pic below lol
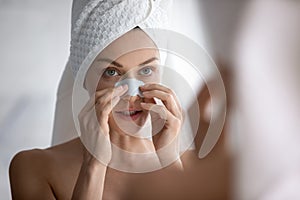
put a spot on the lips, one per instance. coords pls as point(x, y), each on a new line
point(130, 114)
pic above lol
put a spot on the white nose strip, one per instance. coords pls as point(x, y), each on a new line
point(133, 86)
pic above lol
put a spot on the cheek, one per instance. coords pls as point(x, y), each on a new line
point(154, 78)
point(102, 84)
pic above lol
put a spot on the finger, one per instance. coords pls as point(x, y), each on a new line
point(103, 103)
point(161, 110)
point(113, 92)
point(103, 96)
point(105, 109)
point(171, 122)
point(149, 100)
point(166, 98)
point(155, 86)
point(108, 94)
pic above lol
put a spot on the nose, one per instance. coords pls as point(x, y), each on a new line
point(132, 99)
point(129, 74)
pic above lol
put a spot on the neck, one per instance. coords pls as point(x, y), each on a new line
point(131, 143)
point(135, 140)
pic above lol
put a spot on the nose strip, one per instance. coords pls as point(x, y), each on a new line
point(133, 86)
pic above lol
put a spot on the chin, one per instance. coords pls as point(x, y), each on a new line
point(130, 122)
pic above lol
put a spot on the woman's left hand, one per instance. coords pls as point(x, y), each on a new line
point(166, 140)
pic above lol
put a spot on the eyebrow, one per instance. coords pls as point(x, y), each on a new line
point(109, 61)
point(120, 65)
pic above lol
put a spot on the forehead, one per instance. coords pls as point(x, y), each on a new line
point(130, 50)
point(128, 43)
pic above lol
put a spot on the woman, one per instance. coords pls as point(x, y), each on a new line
point(52, 173)
point(114, 123)
point(80, 168)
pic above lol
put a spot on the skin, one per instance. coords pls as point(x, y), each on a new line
point(71, 170)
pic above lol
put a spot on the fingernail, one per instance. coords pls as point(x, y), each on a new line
point(145, 86)
point(120, 87)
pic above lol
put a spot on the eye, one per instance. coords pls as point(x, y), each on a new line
point(146, 71)
point(111, 72)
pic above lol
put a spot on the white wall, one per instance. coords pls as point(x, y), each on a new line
point(34, 47)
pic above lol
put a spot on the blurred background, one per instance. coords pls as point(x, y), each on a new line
point(257, 40)
point(34, 47)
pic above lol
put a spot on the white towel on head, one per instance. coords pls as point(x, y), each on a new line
point(64, 128)
point(99, 22)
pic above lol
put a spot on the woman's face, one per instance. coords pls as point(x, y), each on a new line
point(141, 63)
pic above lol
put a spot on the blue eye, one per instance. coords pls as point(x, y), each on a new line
point(146, 71)
point(111, 72)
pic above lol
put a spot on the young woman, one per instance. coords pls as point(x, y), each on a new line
point(53, 172)
point(113, 123)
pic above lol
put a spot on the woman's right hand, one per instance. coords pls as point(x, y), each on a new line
point(94, 127)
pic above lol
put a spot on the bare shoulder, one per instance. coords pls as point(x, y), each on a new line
point(31, 171)
point(27, 172)
point(68, 150)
